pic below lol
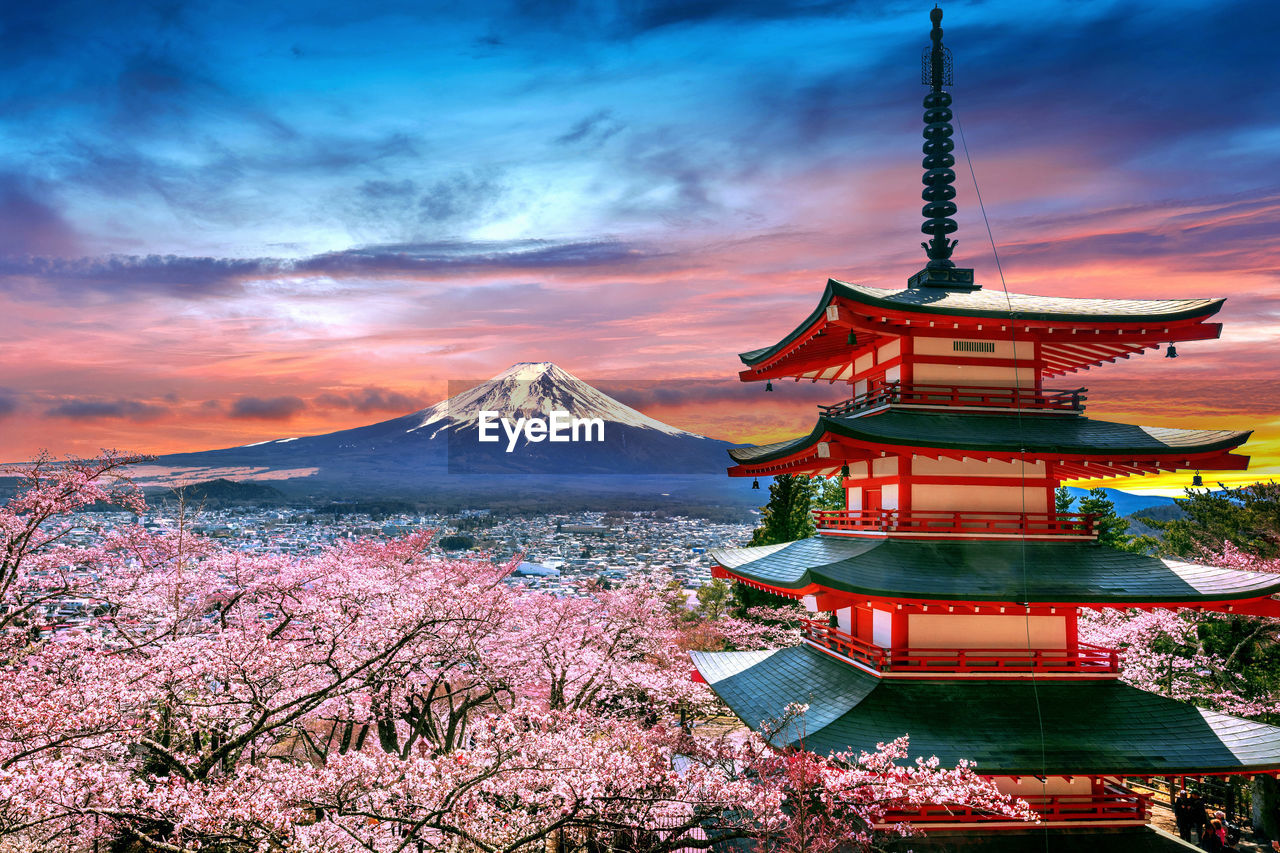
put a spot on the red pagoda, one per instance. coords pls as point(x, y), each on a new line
point(955, 585)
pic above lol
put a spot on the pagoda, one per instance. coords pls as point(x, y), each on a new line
point(952, 583)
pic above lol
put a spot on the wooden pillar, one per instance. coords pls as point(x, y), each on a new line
point(900, 638)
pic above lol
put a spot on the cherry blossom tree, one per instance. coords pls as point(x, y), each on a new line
point(376, 697)
point(1225, 662)
point(34, 566)
point(1164, 654)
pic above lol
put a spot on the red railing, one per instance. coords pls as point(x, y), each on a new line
point(1116, 804)
point(846, 644)
point(1063, 400)
point(948, 521)
point(1085, 658)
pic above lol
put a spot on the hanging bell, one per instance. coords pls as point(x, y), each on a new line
point(1170, 351)
point(755, 484)
point(1197, 480)
point(844, 470)
point(853, 338)
point(768, 386)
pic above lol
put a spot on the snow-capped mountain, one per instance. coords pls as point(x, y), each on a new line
point(535, 389)
point(439, 447)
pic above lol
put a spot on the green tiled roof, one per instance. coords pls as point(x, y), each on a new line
point(995, 304)
point(1008, 727)
point(1038, 433)
point(989, 570)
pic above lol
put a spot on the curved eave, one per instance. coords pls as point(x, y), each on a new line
point(1016, 727)
point(1067, 437)
point(996, 572)
point(756, 356)
point(811, 350)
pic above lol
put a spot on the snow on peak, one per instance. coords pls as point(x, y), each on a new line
point(535, 389)
point(528, 371)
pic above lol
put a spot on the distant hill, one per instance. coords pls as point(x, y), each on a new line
point(1137, 527)
point(221, 492)
point(1126, 503)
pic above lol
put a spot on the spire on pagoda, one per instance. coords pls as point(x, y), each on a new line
point(938, 192)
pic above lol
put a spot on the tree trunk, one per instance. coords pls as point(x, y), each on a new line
point(387, 735)
point(1266, 806)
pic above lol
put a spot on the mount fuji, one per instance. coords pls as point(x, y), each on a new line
point(534, 390)
point(438, 451)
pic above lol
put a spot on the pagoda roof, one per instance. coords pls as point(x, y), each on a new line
point(1007, 727)
point(1029, 571)
point(996, 305)
point(1000, 433)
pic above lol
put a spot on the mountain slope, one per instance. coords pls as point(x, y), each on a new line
point(438, 448)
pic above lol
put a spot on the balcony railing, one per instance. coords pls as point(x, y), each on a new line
point(1085, 658)
point(846, 644)
point(929, 522)
point(962, 396)
point(1115, 805)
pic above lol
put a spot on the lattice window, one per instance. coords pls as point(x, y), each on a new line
point(973, 346)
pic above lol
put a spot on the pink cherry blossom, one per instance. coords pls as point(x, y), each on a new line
point(374, 697)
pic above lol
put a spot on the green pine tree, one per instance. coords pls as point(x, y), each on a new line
point(1247, 516)
point(786, 518)
point(1062, 500)
point(1111, 527)
point(714, 600)
point(829, 494)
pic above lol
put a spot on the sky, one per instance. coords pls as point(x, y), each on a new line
point(228, 222)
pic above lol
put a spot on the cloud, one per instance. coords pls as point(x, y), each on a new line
point(369, 400)
point(8, 405)
point(381, 190)
point(445, 205)
point(654, 14)
point(150, 86)
point(594, 20)
point(1188, 396)
point(267, 408)
point(1108, 101)
point(29, 223)
point(185, 277)
point(459, 198)
point(1225, 233)
point(201, 277)
point(478, 256)
point(73, 33)
point(82, 409)
point(662, 179)
point(643, 394)
point(593, 130)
